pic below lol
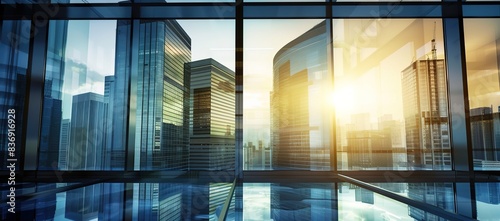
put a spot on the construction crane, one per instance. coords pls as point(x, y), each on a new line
point(433, 41)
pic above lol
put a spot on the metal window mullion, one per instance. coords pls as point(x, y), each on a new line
point(460, 141)
point(36, 78)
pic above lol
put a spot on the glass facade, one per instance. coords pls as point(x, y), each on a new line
point(249, 110)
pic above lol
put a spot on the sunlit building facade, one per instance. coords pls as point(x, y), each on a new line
point(212, 141)
point(300, 127)
point(425, 105)
point(162, 132)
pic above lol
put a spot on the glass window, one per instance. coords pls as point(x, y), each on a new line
point(390, 94)
point(78, 110)
point(180, 81)
point(482, 56)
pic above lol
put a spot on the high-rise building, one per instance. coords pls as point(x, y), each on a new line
point(162, 114)
point(485, 136)
point(87, 132)
point(114, 158)
point(64, 144)
point(425, 107)
point(300, 127)
point(369, 149)
point(162, 84)
point(212, 139)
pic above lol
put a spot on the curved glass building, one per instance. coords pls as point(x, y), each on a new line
point(300, 122)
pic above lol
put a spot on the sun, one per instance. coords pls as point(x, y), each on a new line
point(343, 100)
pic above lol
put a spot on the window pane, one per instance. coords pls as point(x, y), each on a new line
point(390, 94)
point(77, 117)
point(286, 123)
point(482, 54)
point(14, 51)
point(188, 120)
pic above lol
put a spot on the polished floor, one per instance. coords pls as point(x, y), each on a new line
point(194, 200)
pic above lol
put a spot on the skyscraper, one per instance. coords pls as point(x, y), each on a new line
point(301, 126)
point(64, 144)
point(485, 136)
point(425, 107)
point(162, 120)
point(114, 159)
point(161, 81)
point(369, 149)
point(212, 141)
point(87, 132)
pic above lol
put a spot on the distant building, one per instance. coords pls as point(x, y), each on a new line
point(485, 134)
point(86, 150)
point(369, 149)
point(212, 138)
point(436, 194)
point(425, 107)
point(64, 144)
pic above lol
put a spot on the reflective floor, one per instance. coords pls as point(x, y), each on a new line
point(246, 201)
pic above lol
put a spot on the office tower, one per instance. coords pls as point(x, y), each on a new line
point(162, 114)
point(396, 131)
point(425, 107)
point(300, 125)
point(64, 144)
point(212, 141)
point(87, 132)
point(154, 59)
point(86, 153)
point(114, 159)
point(485, 137)
point(369, 149)
point(120, 92)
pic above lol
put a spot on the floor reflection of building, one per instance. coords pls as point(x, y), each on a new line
point(488, 193)
point(301, 202)
point(212, 139)
point(300, 129)
point(111, 201)
point(437, 194)
point(83, 203)
point(204, 201)
point(425, 106)
point(485, 136)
